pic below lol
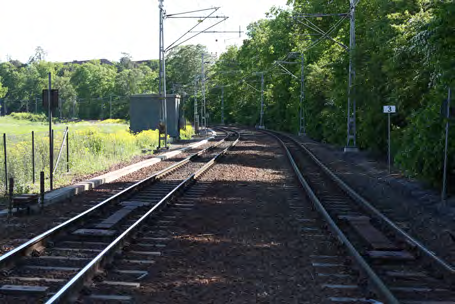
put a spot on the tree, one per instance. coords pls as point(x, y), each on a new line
point(93, 82)
point(40, 55)
point(3, 90)
point(125, 62)
point(183, 63)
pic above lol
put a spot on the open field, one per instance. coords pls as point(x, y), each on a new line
point(94, 146)
point(12, 126)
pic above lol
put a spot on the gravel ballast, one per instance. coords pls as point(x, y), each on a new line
point(406, 202)
point(18, 229)
point(240, 243)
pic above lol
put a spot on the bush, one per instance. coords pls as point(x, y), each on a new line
point(187, 133)
point(113, 121)
point(92, 149)
point(29, 117)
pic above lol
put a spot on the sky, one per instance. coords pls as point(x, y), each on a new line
point(93, 29)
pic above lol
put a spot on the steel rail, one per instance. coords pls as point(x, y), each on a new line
point(8, 259)
point(69, 292)
point(376, 281)
point(367, 206)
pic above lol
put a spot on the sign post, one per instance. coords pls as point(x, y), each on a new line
point(51, 139)
point(389, 110)
point(50, 101)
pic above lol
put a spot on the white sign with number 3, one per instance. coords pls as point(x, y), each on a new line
point(390, 109)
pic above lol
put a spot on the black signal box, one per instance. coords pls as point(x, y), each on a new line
point(54, 98)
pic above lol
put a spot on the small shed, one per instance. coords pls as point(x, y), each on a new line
point(145, 112)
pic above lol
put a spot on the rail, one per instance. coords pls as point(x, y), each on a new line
point(443, 265)
point(8, 259)
point(69, 292)
point(377, 283)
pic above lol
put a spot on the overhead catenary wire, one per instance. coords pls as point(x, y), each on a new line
point(323, 36)
point(190, 12)
point(225, 18)
point(199, 23)
point(326, 34)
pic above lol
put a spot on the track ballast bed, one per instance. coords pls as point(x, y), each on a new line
point(54, 266)
point(391, 263)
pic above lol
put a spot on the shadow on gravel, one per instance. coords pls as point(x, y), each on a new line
point(260, 149)
point(250, 161)
point(237, 246)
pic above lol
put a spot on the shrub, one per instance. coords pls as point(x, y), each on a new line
point(187, 133)
point(91, 150)
point(113, 121)
point(29, 117)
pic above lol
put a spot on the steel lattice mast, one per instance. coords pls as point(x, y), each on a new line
point(162, 71)
point(302, 127)
point(351, 142)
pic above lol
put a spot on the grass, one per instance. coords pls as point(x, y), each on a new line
point(14, 127)
point(94, 147)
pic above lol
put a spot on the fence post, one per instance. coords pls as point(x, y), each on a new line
point(6, 163)
point(67, 150)
point(33, 156)
point(51, 161)
point(41, 188)
point(60, 150)
point(11, 193)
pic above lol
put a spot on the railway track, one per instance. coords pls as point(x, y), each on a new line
point(55, 266)
point(390, 264)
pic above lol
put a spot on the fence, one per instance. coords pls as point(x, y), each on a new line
point(24, 156)
point(91, 149)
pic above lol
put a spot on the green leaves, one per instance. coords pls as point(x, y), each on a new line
point(3, 90)
point(404, 56)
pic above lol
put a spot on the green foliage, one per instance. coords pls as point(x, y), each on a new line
point(183, 63)
point(3, 90)
point(86, 90)
point(92, 149)
point(29, 117)
point(187, 132)
point(404, 56)
point(113, 121)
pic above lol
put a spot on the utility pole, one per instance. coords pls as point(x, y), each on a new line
point(261, 120)
point(222, 105)
point(222, 94)
point(351, 144)
point(302, 129)
point(51, 139)
point(204, 109)
point(162, 71)
point(179, 41)
point(196, 115)
point(446, 148)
